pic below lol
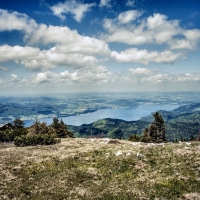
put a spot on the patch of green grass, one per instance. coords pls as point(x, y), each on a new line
point(162, 172)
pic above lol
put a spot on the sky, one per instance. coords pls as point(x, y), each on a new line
point(66, 46)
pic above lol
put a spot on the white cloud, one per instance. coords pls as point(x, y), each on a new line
point(181, 44)
point(4, 68)
point(193, 35)
point(130, 3)
point(156, 29)
point(73, 7)
point(14, 78)
point(9, 53)
point(16, 21)
point(100, 75)
point(96, 75)
point(128, 16)
point(129, 34)
point(68, 41)
point(144, 56)
point(45, 77)
point(36, 59)
point(162, 29)
point(51, 59)
point(191, 40)
point(144, 75)
point(140, 71)
point(105, 3)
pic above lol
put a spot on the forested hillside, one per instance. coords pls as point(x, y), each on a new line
point(181, 123)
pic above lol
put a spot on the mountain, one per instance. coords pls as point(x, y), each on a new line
point(183, 122)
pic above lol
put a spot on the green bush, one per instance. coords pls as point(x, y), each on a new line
point(9, 135)
point(134, 138)
point(37, 139)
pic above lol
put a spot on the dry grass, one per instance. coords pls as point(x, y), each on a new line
point(89, 169)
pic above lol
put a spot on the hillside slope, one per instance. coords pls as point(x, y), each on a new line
point(116, 128)
point(183, 122)
point(100, 169)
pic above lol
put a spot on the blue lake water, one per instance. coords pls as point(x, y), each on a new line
point(128, 114)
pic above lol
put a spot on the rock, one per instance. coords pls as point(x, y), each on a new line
point(136, 143)
point(139, 154)
point(118, 153)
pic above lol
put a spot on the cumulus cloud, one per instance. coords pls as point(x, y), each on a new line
point(68, 41)
point(140, 71)
point(162, 29)
point(192, 34)
point(36, 59)
point(14, 78)
point(48, 59)
point(101, 75)
point(105, 3)
point(144, 75)
point(190, 40)
point(156, 29)
point(9, 53)
point(174, 78)
point(144, 56)
point(128, 16)
point(16, 21)
point(181, 44)
point(45, 77)
point(76, 8)
point(97, 75)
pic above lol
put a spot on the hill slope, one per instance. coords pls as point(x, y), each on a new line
point(182, 122)
point(100, 169)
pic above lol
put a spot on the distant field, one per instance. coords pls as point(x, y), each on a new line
point(90, 169)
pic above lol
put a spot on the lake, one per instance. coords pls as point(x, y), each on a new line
point(128, 114)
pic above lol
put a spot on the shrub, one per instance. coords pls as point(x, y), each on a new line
point(135, 138)
point(40, 128)
point(9, 135)
point(146, 136)
point(37, 139)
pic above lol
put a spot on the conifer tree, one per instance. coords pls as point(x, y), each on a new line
point(19, 123)
point(157, 128)
point(61, 128)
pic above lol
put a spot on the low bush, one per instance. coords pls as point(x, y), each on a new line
point(135, 138)
point(9, 135)
point(37, 139)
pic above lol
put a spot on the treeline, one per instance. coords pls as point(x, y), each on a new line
point(41, 134)
point(37, 134)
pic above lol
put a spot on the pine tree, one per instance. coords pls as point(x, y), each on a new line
point(19, 123)
point(157, 129)
point(61, 128)
point(192, 138)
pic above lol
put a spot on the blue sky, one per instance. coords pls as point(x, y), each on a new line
point(96, 46)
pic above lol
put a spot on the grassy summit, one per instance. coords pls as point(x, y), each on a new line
point(100, 169)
